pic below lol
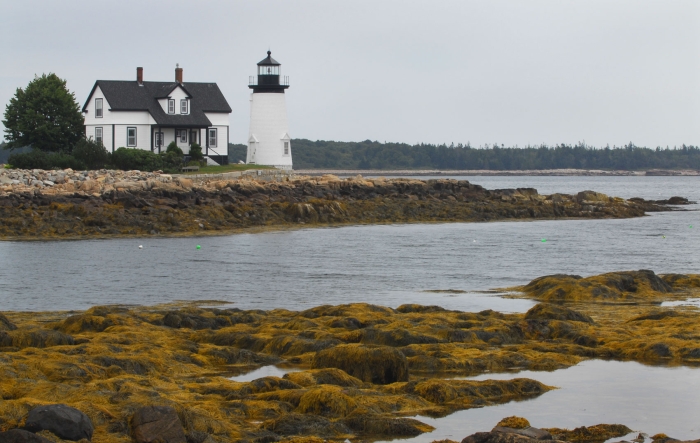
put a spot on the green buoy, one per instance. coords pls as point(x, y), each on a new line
point(544, 240)
point(199, 247)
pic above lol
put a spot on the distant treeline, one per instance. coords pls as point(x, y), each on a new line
point(375, 155)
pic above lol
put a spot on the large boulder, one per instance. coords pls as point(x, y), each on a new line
point(21, 436)
point(62, 420)
point(157, 424)
point(373, 364)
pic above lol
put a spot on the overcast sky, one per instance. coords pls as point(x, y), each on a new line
point(511, 72)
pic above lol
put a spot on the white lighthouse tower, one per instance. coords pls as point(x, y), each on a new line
point(268, 139)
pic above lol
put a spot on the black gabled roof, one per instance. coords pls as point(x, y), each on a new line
point(130, 96)
point(269, 61)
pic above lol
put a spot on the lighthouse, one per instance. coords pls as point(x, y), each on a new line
point(268, 139)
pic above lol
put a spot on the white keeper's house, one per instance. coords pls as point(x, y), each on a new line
point(150, 115)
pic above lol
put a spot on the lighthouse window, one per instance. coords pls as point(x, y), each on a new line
point(269, 70)
point(183, 106)
point(286, 148)
point(171, 106)
point(212, 137)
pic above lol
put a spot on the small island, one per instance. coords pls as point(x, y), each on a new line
point(67, 204)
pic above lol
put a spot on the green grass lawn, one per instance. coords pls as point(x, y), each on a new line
point(226, 168)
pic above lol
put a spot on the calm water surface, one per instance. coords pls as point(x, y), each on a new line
point(644, 398)
point(388, 265)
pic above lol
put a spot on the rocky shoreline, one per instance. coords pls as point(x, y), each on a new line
point(95, 204)
point(118, 374)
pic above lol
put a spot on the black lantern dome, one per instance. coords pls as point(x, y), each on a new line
point(269, 76)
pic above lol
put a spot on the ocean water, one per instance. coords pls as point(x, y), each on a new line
point(388, 264)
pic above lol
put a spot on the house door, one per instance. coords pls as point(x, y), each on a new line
point(193, 137)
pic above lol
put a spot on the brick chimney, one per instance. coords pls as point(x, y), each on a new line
point(139, 75)
point(178, 73)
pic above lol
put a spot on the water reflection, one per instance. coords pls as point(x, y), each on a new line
point(647, 399)
point(265, 371)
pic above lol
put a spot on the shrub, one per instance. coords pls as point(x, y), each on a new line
point(93, 154)
point(127, 159)
point(196, 152)
point(172, 161)
point(173, 147)
point(41, 160)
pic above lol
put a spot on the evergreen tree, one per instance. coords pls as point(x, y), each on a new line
point(44, 115)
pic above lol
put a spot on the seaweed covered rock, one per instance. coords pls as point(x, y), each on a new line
point(21, 436)
point(514, 422)
point(77, 324)
point(597, 433)
point(40, 338)
point(157, 424)
point(328, 401)
point(682, 281)
point(373, 364)
point(469, 393)
point(6, 324)
point(63, 421)
point(302, 424)
point(328, 376)
point(549, 311)
point(610, 287)
point(267, 384)
point(375, 425)
point(232, 356)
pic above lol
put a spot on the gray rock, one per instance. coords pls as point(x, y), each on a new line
point(5, 180)
point(496, 437)
point(157, 424)
point(21, 436)
point(49, 183)
point(536, 433)
point(65, 422)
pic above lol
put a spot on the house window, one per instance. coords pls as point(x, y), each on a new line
point(98, 135)
point(98, 108)
point(183, 106)
point(286, 148)
point(159, 139)
point(171, 106)
point(131, 137)
point(183, 135)
point(212, 137)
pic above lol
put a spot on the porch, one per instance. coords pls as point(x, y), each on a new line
point(162, 136)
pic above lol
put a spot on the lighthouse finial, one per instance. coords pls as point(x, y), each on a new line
point(269, 52)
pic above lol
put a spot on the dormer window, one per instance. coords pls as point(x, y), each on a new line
point(98, 108)
point(183, 106)
point(171, 106)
